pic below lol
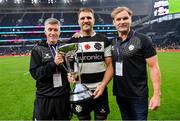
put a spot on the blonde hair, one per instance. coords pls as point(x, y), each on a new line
point(120, 9)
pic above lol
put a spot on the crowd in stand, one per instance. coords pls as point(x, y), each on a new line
point(25, 50)
point(168, 45)
point(13, 51)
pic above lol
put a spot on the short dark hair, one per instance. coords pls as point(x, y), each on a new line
point(86, 10)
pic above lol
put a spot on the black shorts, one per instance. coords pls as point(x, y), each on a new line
point(100, 106)
point(48, 108)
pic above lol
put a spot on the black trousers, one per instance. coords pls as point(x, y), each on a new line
point(99, 106)
point(52, 108)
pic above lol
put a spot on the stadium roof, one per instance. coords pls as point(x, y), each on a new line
point(140, 7)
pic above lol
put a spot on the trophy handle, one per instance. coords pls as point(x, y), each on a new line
point(68, 64)
point(78, 66)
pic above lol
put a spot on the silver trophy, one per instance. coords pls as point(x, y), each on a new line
point(80, 92)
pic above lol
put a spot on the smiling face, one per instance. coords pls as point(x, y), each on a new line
point(52, 32)
point(86, 21)
point(122, 21)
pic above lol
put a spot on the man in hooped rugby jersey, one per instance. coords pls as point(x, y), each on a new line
point(96, 70)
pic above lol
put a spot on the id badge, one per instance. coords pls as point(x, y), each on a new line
point(57, 80)
point(119, 68)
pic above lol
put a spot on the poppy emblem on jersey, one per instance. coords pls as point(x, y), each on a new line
point(97, 46)
point(131, 47)
point(78, 108)
point(87, 46)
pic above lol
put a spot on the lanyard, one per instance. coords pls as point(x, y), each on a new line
point(52, 50)
point(118, 47)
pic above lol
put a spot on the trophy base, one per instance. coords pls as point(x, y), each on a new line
point(80, 94)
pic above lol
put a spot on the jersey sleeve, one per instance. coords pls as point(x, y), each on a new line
point(107, 49)
point(148, 49)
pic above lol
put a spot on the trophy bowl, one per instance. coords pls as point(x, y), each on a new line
point(68, 48)
point(80, 93)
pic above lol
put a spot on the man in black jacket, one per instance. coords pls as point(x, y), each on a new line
point(52, 87)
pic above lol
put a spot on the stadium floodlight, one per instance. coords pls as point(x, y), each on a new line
point(51, 1)
point(2, 1)
point(34, 1)
point(18, 1)
point(67, 1)
point(83, 1)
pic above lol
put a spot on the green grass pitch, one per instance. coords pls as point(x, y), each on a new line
point(17, 90)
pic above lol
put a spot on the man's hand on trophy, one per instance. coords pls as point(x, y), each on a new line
point(99, 90)
point(71, 77)
point(58, 59)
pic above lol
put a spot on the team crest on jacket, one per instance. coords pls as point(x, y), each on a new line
point(131, 47)
point(47, 56)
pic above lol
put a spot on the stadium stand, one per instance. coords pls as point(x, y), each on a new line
point(22, 27)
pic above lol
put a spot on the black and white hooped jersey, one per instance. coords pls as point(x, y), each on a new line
point(92, 51)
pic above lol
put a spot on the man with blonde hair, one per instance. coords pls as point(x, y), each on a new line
point(131, 52)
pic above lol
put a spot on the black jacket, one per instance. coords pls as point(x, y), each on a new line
point(42, 68)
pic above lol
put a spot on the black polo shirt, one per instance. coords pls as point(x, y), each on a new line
point(131, 53)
